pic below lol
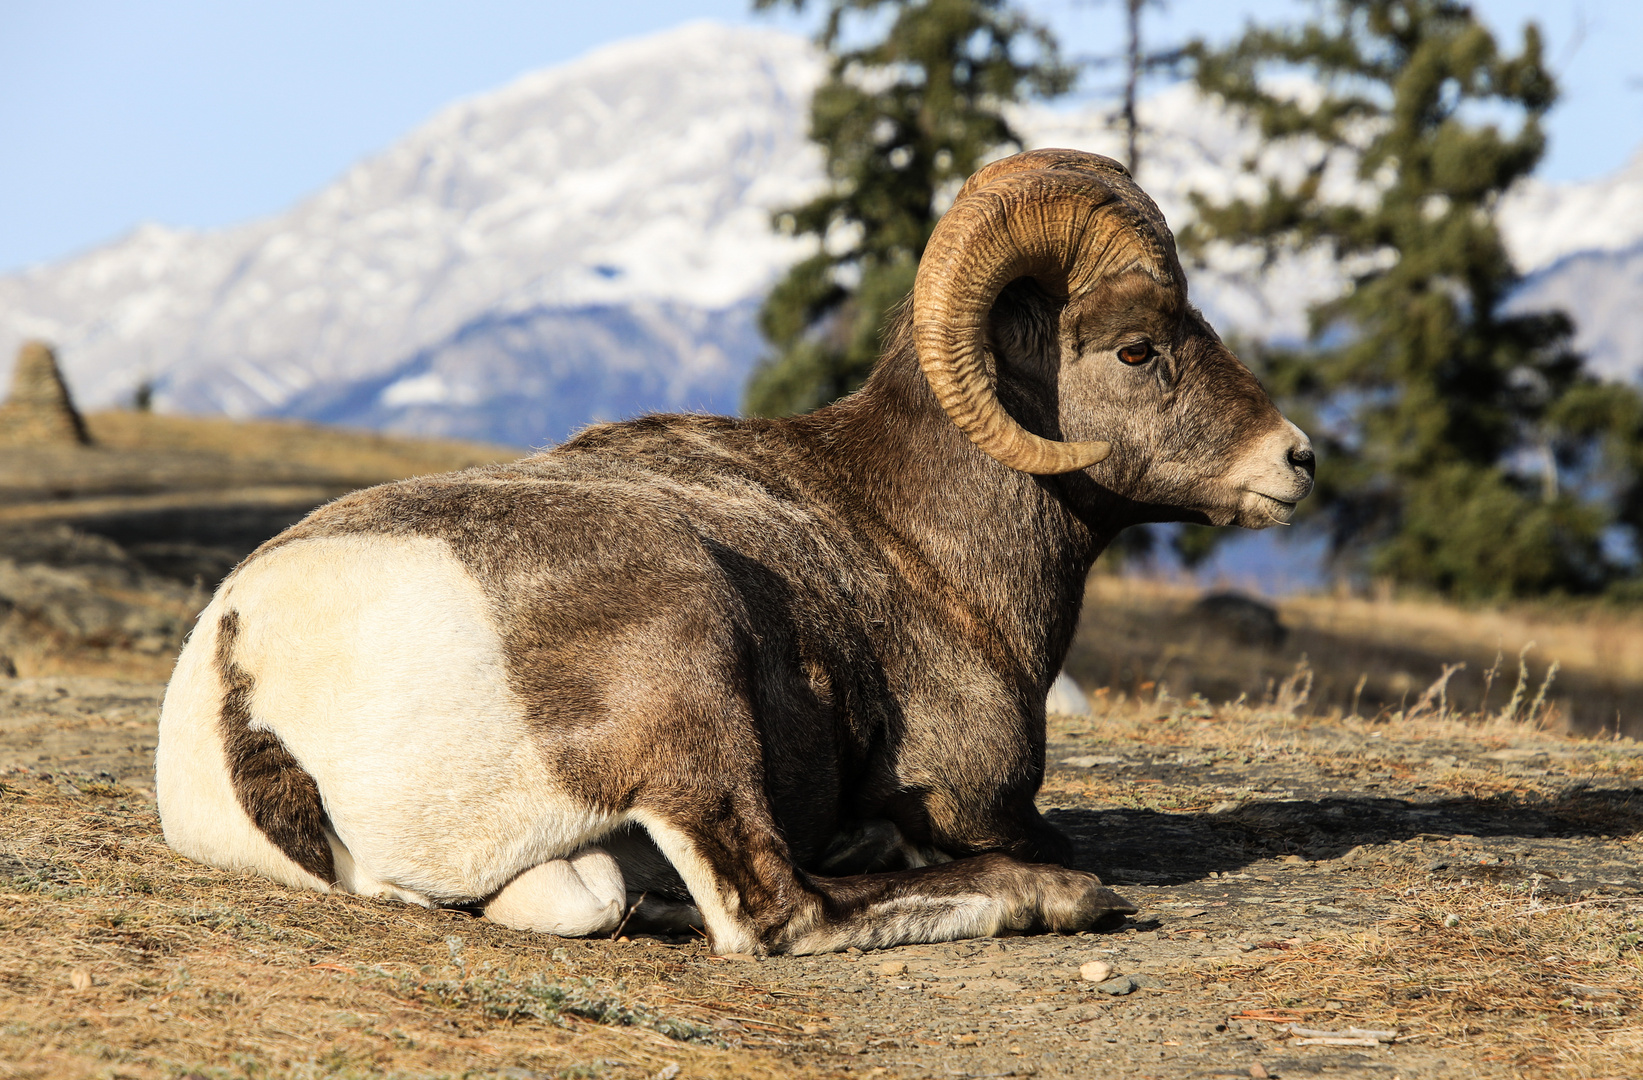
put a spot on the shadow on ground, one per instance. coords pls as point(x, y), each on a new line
point(1175, 848)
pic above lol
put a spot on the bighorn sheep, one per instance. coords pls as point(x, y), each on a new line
point(790, 670)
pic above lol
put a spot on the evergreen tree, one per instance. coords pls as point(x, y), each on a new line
point(1137, 63)
point(913, 103)
point(1467, 449)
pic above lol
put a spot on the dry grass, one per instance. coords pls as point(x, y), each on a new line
point(119, 958)
point(1606, 642)
point(45, 657)
point(1585, 638)
point(1503, 975)
point(1285, 717)
point(367, 456)
point(146, 464)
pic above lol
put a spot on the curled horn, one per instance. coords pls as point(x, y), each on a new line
point(1065, 218)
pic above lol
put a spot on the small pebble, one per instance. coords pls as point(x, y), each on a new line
point(1451, 920)
point(1118, 987)
point(892, 967)
point(80, 978)
point(1095, 971)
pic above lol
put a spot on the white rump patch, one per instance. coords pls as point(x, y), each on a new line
point(376, 662)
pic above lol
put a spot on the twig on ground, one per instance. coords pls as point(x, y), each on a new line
point(1352, 1036)
point(623, 925)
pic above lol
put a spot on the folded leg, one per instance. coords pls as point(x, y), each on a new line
point(572, 897)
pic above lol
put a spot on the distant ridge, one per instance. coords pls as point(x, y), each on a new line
point(593, 239)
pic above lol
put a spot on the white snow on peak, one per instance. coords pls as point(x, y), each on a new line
point(1543, 223)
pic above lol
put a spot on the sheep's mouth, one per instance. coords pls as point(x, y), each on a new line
point(1269, 510)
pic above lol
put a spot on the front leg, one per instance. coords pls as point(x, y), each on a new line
point(754, 899)
point(709, 808)
point(969, 773)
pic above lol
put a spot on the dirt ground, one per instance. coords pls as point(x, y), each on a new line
point(1475, 888)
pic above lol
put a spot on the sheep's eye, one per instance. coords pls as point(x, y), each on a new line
point(1138, 353)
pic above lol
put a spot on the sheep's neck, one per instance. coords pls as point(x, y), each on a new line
point(1005, 542)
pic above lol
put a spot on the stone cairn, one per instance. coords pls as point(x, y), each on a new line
point(39, 411)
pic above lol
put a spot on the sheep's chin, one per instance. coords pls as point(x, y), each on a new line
point(1258, 511)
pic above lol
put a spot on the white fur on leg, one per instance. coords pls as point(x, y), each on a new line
point(730, 930)
point(571, 897)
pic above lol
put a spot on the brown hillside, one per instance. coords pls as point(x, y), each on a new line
point(108, 550)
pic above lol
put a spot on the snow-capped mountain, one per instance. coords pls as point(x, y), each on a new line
point(614, 212)
point(592, 241)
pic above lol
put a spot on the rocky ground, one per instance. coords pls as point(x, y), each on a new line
point(1470, 894)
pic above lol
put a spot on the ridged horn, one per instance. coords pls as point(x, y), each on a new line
point(1065, 218)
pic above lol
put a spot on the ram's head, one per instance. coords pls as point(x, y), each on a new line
point(1140, 391)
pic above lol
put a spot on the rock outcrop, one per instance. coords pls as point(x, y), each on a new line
point(39, 410)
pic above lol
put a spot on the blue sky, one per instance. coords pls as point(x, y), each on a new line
point(204, 113)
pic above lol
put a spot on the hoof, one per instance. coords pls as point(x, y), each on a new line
point(1114, 913)
point(1073, 901)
